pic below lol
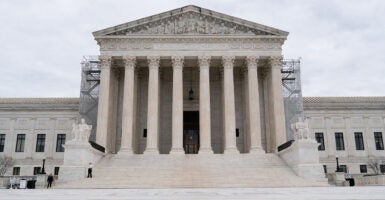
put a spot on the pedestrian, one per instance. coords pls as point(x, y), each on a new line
point(90, 170)
point(49, 180)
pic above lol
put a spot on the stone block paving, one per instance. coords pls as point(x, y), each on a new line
point(313, 193)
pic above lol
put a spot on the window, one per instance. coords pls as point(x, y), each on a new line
point(16, 171)
point(145, 133)
point(378, 140)
point(363, 169)
point(56, 171)
point(36, 170)
point(2, 141)
point(237, 132)
point(359, 141)
point(340, 146)
point(61, 139)
point(382, 168)
point(40, 142)
point(20, 143)
point(344, 168)
point(320, 139)
point(325, 169)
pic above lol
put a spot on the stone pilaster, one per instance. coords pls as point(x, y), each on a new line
point(229, 105)
point(277, 111)
point(128, 106)
point(253, 113)
point(153, 106)
point(104, 101)
point(177, 106)
point(204, 105)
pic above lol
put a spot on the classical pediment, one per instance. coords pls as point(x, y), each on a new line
point(190, 20)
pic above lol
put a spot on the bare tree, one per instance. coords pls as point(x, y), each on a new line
point(375, 165)
point(5, 163)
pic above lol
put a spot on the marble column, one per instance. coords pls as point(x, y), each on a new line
point(128, 106)
point(104, 101)
point(229, 105)
point(177, 105)
point(253, 104)
point(204, 105)
point(276, 98)
point(153, 106)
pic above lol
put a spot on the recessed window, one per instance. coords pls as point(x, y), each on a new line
point(359, 141)
point(2, 141)
point(145, 133)
point(344, 168)
point(363, 169)
point(237, 132)
point(40, 142)
point(378, 140)
point(36, 170)
point(20, 141)
point(16, 171)
point(320, 140)
point(56, 171)
point(61, 139)
point(340, 146)
point(325, 169)
point(382, 168)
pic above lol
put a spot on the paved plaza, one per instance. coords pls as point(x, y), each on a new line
point(374, 192)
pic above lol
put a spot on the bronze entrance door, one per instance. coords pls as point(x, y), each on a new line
point(191, 132)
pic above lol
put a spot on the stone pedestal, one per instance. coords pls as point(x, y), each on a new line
point(303, 157)
point(41, 181)
point(77, 156)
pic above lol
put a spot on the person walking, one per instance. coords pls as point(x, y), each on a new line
point(49, 180)
point(90, 170)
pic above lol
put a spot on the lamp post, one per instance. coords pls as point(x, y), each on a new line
point(338, 166)
point(42, 169)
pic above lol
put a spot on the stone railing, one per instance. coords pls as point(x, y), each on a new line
point(370, 180)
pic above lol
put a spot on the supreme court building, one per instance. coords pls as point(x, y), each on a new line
point(190, 80)
point(191, 98)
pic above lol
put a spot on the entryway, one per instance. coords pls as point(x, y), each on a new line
point(191, 132)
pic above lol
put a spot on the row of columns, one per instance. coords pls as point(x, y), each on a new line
point(254, 125)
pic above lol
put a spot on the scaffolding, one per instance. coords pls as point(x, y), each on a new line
point(90, 80)
point(89, 92)
point(292, 94)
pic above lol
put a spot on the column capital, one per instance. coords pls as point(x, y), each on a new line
point(204, 61)
point(105, 61)
point(153, 62)
point(276, 61)
point(228, 62)
point(177, 62)
point(129, 62)
point(252, 62)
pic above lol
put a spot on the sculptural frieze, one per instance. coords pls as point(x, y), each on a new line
point(191, 23)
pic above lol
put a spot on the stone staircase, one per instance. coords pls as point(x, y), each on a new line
point(191, 171)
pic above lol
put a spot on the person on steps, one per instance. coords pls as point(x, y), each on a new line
point(90, 170)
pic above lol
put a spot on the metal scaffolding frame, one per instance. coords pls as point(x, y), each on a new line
point(90, 80)
point(89, 92)
point(292, 94)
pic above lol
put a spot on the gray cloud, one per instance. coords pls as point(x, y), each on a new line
point(341, 42)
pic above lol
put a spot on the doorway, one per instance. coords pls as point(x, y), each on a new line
point(191, 132)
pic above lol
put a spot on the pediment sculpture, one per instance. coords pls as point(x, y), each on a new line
point(191, 23)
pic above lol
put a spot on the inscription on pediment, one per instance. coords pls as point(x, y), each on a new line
point(191, 23)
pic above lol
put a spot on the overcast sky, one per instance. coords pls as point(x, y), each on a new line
point(341, 43)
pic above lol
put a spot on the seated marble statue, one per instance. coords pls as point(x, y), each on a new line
point(81, 132)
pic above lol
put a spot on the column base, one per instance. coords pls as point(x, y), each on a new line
point(205, 151)
point(151, 151)
point(231, 151)
point(125, 152)
point(177, 151)
point(257, 151)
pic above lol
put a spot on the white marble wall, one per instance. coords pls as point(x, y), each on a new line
point(37, 119)
point(330, 116)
